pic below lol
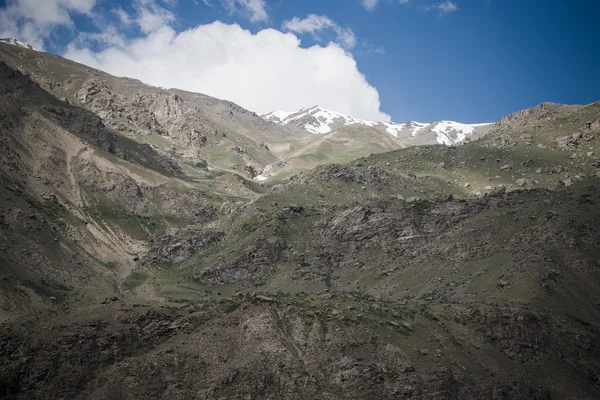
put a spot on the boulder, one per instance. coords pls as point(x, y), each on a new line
point(499, 191)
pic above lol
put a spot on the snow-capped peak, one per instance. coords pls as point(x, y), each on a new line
point(277, 116)
point(451, 132)
point(15, 42)
point(321, 120)
point(314, 119)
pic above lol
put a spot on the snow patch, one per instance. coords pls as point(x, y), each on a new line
point(16, 42)
point(319, 120)
point(451, 132)
point(277, 115)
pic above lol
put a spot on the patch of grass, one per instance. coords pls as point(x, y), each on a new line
point(134, 280)
point(253, 224)
point(111, 265)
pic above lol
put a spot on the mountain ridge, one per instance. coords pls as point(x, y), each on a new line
point(319, 120)
point(16, 42)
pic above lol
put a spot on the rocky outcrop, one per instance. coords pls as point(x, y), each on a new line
point(542, 112)
point(151, 154)
point(574, 140)
point(251, 267)
point(347, 174)
point(593, 125)
point(500, 142)
point(180, 246)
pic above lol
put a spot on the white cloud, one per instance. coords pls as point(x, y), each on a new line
point(32, 21)
point(110, 36)
point(122, 15)
point(443, 7)
point(369, 4)
point(255, 10)
point(150, 16)
point(313, 24)
point(263, 71)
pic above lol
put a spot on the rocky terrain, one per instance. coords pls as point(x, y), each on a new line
point(207, 134)
point(138, 263)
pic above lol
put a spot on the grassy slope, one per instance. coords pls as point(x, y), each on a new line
point(529, 255)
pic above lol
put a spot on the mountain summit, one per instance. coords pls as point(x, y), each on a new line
point(318, 120)
point(16, 42)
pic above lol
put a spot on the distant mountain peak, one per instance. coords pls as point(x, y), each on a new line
point(319, 120)
point(315, 119)
point(16, 42)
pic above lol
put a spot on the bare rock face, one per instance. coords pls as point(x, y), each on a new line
point(256, 262)
point(574, 140)
point(176, 248)
point(146, 112)
point(593, 125)
point(189, 204)
point(250, 170)
point(532, 115)
point(122, 113)
point(168, 108)
point(346, 173)
point(166, 161)
point(200, 162)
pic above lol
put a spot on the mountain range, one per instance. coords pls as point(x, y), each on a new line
point(320, 120)
point(157, 243)
point(227, 137)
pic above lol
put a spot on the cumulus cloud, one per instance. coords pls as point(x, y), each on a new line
point(261, 71)
point(32, 21)
point(314, 24)
point(255, 10)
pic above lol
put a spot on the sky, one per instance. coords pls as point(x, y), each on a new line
point(423, 60)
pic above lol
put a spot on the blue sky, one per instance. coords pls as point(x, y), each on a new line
point(424, 60)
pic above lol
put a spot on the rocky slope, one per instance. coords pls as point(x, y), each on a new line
point(80, 199)
point(430, 272)
point(197, 130)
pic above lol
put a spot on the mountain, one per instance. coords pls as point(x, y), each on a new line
point(130, 270)
point(15, 42)
point(203, 133)
point(198, 130)
point(320, 120)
